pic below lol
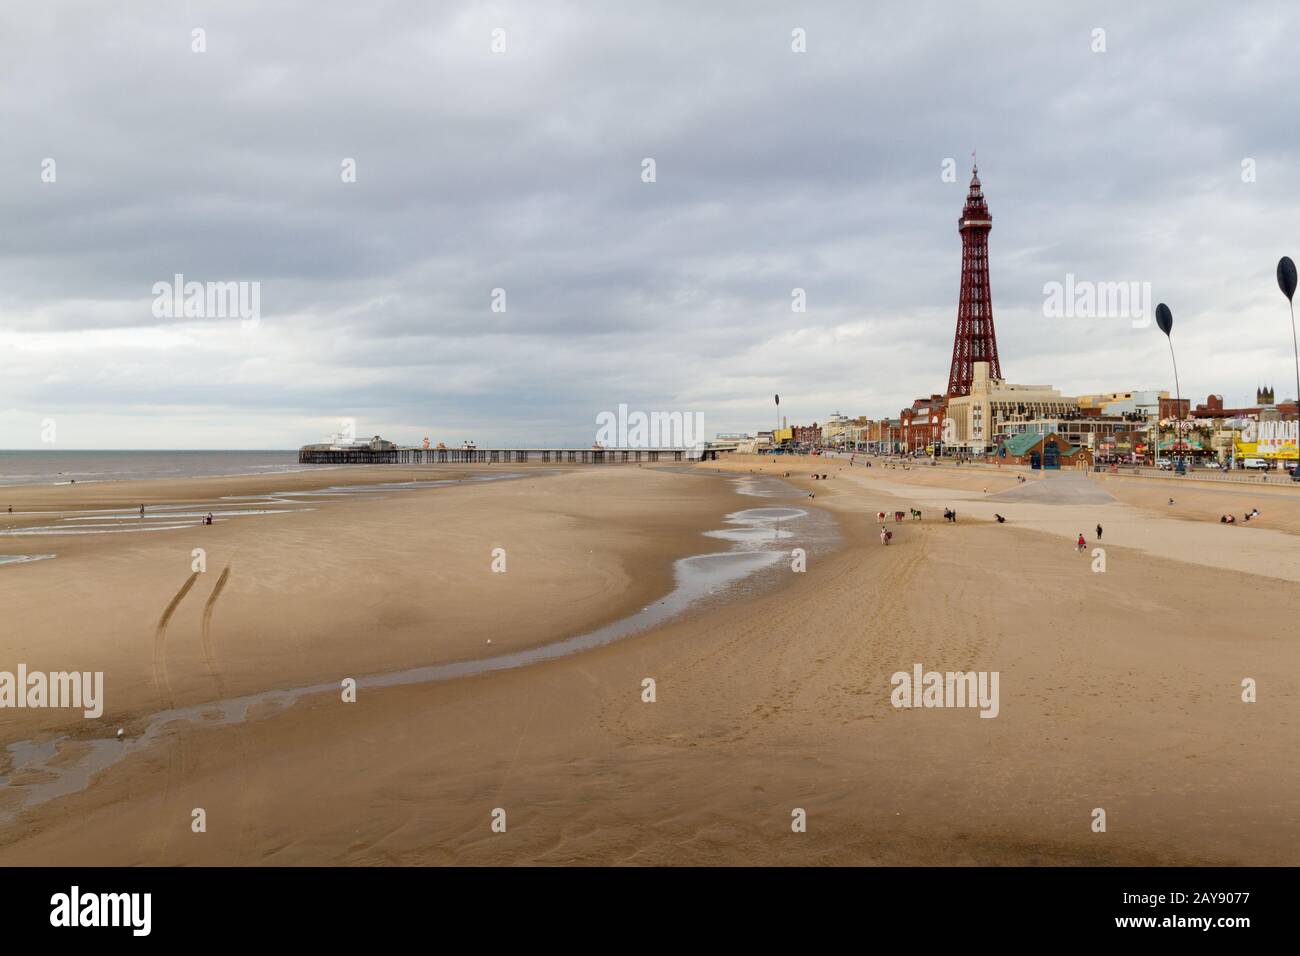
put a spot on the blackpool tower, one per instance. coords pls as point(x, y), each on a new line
point(975, 340)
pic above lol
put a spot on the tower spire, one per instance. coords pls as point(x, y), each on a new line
point(975, 340)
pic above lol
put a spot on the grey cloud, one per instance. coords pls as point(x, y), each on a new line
point(522, 171)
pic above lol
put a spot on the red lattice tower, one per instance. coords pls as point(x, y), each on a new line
point(976, 340)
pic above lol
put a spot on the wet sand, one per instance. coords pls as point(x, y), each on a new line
point(341, 586)
point(1120, 690)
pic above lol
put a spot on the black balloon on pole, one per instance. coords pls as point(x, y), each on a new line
point(1165, 318)
point(1286, 277)
point(1286, 282)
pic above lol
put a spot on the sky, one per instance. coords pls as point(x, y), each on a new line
point(823, 147)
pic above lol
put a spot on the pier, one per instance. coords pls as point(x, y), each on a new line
point(362, 454)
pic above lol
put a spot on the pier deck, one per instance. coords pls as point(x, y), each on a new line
point(362, 455)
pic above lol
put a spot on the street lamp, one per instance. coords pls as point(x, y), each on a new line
point(1165, 320)
point(1286, 281)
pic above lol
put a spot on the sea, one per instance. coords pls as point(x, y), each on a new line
point(47, 467)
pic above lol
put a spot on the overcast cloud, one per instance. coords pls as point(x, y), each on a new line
point(521, 170)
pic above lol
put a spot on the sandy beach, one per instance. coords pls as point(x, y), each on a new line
point(1120, 690)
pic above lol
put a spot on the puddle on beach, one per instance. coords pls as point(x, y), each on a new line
point(23, 558)
point(175, 517)
point(134, 523)
point(380, 487)
point(757, 527)
point(760, 487)
point(42, 771)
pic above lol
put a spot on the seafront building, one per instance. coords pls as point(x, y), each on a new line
point(1041, 450)
point(1086, 431)
point(1213, 408)
point(980, 419)
point(1145, 403)
point(833, 432)
point(921, 426)
point(809, 436)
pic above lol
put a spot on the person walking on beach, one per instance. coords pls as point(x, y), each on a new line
point(885, 536)
point(142, 511)
point(1081, 544)
point(1098, 532)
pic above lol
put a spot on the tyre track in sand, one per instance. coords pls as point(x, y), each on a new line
point(209, 658)
point(175, 758)
point(213, 668)
point(161, 680)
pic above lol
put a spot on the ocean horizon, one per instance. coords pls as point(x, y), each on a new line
point(44, 466)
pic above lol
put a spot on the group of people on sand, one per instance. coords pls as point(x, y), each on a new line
point(207, 519)
point(1231, 519)
point(1082, 543)
point(815, 478)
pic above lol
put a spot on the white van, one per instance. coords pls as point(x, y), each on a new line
point(1254, 463)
